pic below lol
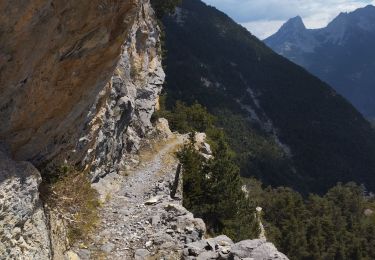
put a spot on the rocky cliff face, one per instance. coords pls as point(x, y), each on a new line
point(79, 81)
point(121, 114)
point(68, 81)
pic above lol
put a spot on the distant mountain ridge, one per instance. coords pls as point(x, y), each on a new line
point(342, 54)
point(213, 60)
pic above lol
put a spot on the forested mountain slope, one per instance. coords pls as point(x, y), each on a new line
point(218, 63)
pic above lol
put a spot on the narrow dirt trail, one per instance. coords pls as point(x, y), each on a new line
point(139, 218)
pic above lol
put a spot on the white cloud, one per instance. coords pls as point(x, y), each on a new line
point(264, 17)
point(263, 28)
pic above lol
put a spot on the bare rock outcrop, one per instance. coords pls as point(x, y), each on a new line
point(121, 115)
point(23, 229)
point(56, 56)
point(79, 80)
point(222, 247)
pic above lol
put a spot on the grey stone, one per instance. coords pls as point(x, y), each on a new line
point(194, 251)
point(177, 209)
point(208, 256)
point(212, 244)
point(71, 255)
point(257, 249)
point(23, 232)
point(222, 240)
point(141, 254)
point(223, 256)
point(161, 237)
point(107, 247)
point(267, 251)
point(153, 200)
point(84, 254)
point(162, 126)
point(244, 248)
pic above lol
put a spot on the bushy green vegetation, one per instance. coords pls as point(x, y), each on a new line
point(212, 188)
point(333, 226)
point(163, 7)
point(186, 119)
point(257, 154)
point(212, 191)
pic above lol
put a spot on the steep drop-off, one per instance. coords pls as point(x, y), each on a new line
point(216, 62)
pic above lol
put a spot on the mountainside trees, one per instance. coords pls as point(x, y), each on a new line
point(163, 7)
point(338, 225)
point(218, 63)
point(333, 226)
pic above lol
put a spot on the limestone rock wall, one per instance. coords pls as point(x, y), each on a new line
point(78, 79)
point(56, 56)
point(121, 116)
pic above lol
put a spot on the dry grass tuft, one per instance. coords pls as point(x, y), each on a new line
point(77, 203)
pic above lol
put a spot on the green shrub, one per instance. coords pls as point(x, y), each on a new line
point(163, 7)
point(332, 226)
point(212, 191)
point(185, 119)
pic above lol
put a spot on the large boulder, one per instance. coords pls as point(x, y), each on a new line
point(256, 249)
point(222, 247)
point(23, 228)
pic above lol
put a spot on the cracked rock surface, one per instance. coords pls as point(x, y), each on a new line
point(23, 229)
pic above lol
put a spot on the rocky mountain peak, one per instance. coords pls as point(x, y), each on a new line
point(293, 34)
point(360, 19)
point(367, 10)
point(294, 24)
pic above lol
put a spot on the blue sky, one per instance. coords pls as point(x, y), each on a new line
point(264, 17)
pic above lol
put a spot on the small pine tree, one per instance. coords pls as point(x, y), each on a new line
point(163, 7)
